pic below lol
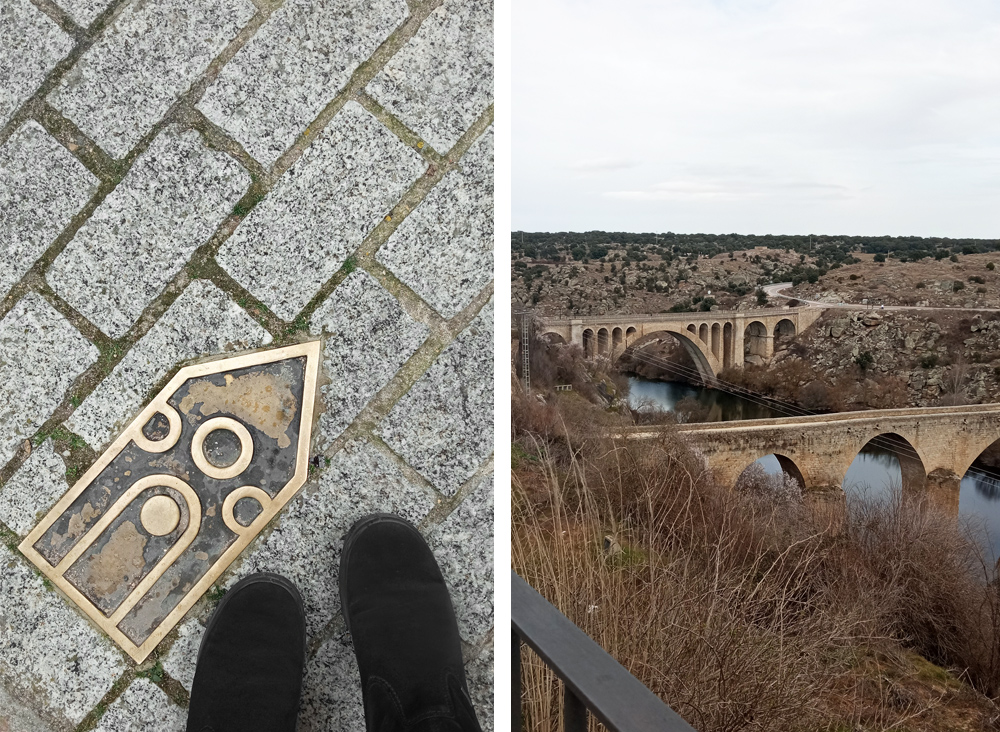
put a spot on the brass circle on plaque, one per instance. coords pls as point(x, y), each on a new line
point(198, 448)
point(160, 515)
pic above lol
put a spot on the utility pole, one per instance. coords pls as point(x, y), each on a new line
point(525, 357)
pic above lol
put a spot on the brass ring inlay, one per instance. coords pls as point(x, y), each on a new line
point(157, 446)
point(198, 448)
point(229, 507)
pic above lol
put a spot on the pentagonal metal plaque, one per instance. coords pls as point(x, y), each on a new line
point(175, 499)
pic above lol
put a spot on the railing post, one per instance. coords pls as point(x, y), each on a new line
point(574, 711)
point(515, 683)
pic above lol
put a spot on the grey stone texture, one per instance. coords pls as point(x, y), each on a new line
point(137, 69)
point(36, 485)
point(202, 321)
point(305, 546)
point(48, 653)
point(463, 546)
point(479, 674)
point(444, 249)
point(443, 426)
point(41, 187)
point(16, 716)
point(143, 706)
point(331, 690)
point(137, 88)
point(442, 79)
point(168, 205)
point(83, 12)
point(180, 661)
point(369, 336)
point(320, 211)
point(284, 76)
point(40, 356)
point(31, 44)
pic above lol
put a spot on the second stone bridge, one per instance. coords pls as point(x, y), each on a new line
point(935, 446)
point(715, 340)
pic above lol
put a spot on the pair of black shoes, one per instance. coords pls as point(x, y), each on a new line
point(399, 614)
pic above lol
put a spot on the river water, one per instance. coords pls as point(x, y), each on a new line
point(873, 473)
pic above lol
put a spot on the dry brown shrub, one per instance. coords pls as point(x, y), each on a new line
point(735, 609)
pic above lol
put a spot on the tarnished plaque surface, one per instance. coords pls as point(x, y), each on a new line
point(173, 501)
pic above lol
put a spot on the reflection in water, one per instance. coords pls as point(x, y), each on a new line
point(986, 484)
point(719, 406)
point(873, 473)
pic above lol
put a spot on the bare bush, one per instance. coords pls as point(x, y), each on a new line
point(740, 611)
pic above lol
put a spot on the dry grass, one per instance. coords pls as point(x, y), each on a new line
point(737, 610)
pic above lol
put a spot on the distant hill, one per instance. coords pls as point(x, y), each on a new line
point(594, 245)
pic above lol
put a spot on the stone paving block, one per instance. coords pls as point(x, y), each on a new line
point(479, 675)
point(443, 426)
point(463, 546)
point(31, 44)
point(331, 690)
point(41, 187)
point(444, 249)
point(15, 716)
point(370, 337)
point(168, 205)
point(306, 545)
point(40, 356)
point(203, 321)
point(144, 705)
point(47, 651)
point(183, 654)
point(320, 211)
point(36, 485)
point(83, 11)
point(138, 68)
point(296, 63)
point(442, 79)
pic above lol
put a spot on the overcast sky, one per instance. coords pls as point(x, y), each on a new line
point(757, 116)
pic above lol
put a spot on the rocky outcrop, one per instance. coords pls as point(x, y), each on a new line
point(943, 357)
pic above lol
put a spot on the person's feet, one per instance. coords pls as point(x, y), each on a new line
point(249, 672)
point(401, 620)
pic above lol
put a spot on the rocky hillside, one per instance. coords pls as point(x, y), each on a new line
point(942, 357)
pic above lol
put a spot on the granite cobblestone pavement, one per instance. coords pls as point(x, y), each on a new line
point(181, 181)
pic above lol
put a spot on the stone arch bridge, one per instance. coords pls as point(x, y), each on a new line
point(935, 445)
point(715, 340)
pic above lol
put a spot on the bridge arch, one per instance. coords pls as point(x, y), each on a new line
point(913, 473)
point(703, 333)
point(757, 343)
point(788, 467)
point(616, 340)
point(784, 328)
point(689, 340)
point(717, 340)
point(589, 343)
point(603, 342)
point(727, 345)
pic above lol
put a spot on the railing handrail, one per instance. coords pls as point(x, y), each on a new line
point(592, 677)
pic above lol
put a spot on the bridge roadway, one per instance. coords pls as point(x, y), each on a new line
point(715, 340)
point(818, 449)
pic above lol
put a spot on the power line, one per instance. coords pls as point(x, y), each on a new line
point(776, 405)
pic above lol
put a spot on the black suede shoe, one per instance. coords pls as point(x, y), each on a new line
point(401, 620)
point(249, 672)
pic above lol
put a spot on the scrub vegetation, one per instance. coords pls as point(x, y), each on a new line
point(747, 610)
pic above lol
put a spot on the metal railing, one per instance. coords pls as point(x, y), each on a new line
point(592, 679)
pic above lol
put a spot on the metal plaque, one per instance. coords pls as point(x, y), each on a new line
point(175, 499)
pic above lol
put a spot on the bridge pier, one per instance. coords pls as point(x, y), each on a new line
point(943, 489)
